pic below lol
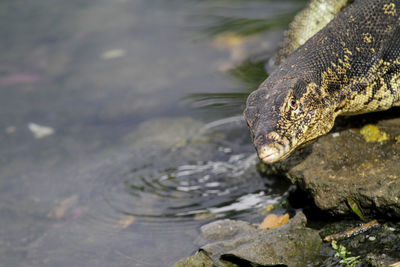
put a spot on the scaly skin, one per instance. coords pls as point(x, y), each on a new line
point(308, 22)
point(351, 66)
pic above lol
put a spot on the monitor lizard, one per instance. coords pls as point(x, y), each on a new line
point(351, 66)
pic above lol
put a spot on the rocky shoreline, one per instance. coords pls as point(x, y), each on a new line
point(343, 166)
point(337, 172)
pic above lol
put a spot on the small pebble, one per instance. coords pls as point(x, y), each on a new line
point(113, 53)
point(40, 131)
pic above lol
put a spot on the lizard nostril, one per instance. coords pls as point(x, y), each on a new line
point(259, 141)
point(273, 136)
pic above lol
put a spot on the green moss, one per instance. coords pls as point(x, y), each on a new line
point(372, 134)
point(344, 255)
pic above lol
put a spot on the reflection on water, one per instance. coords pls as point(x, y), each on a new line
point(249, 75)
point(102, 163)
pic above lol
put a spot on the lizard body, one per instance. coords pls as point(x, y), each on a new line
point(351, 66)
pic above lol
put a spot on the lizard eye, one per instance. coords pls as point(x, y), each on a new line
point(293, 104)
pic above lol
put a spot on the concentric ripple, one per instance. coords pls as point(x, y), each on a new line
point(213, 175)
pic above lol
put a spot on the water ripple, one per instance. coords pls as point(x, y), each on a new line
point(218, 184)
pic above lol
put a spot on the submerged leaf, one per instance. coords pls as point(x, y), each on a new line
point(60, 210)
point(124, 223)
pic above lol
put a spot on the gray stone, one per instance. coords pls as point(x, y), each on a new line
point(342, 166)
point(197, 260)
point(238, 242)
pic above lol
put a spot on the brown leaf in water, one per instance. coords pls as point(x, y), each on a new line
point(124, 223)
point(273, 220)
point(19, 78)
point(61, 209)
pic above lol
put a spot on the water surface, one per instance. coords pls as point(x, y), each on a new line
point(121, 131)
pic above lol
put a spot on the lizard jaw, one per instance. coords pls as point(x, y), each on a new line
point(269, 154)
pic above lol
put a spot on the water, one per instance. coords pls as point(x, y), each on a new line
point(138, 138)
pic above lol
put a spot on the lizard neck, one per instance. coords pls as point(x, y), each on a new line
point(378, 90)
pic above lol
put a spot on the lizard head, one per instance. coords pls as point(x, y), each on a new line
point(283, 114)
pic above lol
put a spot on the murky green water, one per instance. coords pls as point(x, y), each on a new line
point(121, 131)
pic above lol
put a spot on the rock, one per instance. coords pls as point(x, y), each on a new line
point(200, 259)
point(339, 167)
point(235, 243)
point(377, 246)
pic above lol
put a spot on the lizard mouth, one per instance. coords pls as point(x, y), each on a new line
point(269, 154)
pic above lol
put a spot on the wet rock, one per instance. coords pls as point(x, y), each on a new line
point(200, 259)
point(343, 166)
point(237, 243)
point(378, 246)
